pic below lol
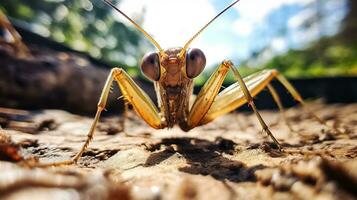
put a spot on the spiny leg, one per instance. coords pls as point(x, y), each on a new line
point(233, 97)
point(277, 100)
point(250, 101)
point(100, 107)
point(207, 98)
point(125, 116)
point(132, 93)
point(298, 98)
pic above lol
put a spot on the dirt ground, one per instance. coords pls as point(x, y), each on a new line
point(230, 158)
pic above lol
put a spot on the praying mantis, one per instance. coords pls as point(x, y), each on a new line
point(172, 72)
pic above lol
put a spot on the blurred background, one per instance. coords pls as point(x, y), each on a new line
point(313, 42)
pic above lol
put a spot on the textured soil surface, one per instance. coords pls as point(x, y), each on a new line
point(230, 158)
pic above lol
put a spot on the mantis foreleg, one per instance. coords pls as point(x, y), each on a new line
point(206, 99)
point(132, 93)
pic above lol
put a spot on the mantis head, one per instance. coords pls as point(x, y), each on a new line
point(174, 60)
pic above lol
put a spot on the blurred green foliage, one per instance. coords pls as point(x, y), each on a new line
point(81, 25)
point(324, 58)
point(329, 56)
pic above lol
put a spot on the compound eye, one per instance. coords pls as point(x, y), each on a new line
point(195, 62)
point(150, 66)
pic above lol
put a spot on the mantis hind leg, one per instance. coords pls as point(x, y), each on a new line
point(250, 101)
point(298, 98)
point(132, 93)
point(277, 100)
point(233, 96)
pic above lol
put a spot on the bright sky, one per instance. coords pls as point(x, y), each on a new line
point(247, 27)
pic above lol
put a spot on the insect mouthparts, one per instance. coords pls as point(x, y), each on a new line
point(173, 60)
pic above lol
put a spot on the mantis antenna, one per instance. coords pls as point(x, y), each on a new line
point(204, 27)
point(136, 25)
